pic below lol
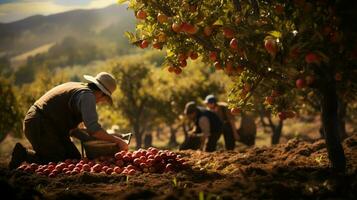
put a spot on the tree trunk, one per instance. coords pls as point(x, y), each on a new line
point(172, 140)
point(277, 133)
point(148, 139)
point(342, 119)
point(185, 131)
point(329, 115)
point(138, 135)
point(276, 129)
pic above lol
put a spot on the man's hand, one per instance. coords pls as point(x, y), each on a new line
point(103, 135)
point(203, 142)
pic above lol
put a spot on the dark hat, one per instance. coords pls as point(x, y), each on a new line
point(190, 107)
point(210, 99)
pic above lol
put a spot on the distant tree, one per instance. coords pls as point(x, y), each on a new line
point(5, 66)
point(134, 99)
point(10, 115)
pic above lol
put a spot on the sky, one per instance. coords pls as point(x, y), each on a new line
point(13, 10)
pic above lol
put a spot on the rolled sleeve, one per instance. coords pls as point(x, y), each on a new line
point(203, 122)
point(87, 107)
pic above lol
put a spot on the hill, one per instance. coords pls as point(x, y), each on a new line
point(30, 33)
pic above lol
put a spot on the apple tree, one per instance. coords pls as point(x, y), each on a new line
point(289, 48)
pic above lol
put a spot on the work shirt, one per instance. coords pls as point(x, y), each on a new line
point(66, 106)
point(207, 122)
point(85, 103)
point(203, 122)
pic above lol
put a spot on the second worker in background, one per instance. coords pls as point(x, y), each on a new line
point(229, 128)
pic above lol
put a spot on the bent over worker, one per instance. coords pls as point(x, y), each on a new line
point(50, 120)
point(207, 129)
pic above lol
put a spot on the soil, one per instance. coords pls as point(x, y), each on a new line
point(294, 170)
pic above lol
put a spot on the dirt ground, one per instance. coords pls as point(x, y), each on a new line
point(293, 170)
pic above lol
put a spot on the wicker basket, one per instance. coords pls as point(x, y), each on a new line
point(96, 148)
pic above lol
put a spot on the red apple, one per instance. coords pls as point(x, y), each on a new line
point(182, 56)
point(178, 70)
point(131, 172)
point(300, 83)
point(127, 158)
point(118, 156)
point(269, 100)
point(217, 65)
point(228, 33)
point(86, 168)
point(171, 69)
point(271, 46)
point(162, 18)
point(144, 44)
point(97, 168)
point(118, 170)
point(279, 9)
point(312, 58)
point(234, 43)
point(169, 168)
point(141, 15)
point(213, 56)
point(193, 56)
point(176, 27)
point(33, 166)
point(156, 45)
point(183, 63)
point(109, 171)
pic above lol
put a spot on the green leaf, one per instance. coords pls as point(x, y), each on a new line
point(174, 181)
point(122, 1)
point(276, 34)
point(201, 196)
point(218, 22)
point(130, 36)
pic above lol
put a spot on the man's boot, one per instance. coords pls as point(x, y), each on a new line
point(19, 155)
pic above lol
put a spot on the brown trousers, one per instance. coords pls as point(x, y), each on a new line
point(48, 143)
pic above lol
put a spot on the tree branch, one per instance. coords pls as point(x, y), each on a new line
point(237, 5)
point(163, 8)
point(205, 43)
point(255, 7)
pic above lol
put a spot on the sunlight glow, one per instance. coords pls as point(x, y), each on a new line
point(21, 9)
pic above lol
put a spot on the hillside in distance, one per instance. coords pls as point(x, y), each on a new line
point(101, 25)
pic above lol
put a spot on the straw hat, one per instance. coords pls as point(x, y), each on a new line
point(190, 107)
point(210, 99)
point(104, 81)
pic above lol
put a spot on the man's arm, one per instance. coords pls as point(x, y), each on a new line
point(204, 124)
point(103, 135)
point(87, 106)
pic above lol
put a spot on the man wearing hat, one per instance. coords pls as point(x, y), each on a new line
point(206, 131)
point(229, 128)
point(50, 120)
